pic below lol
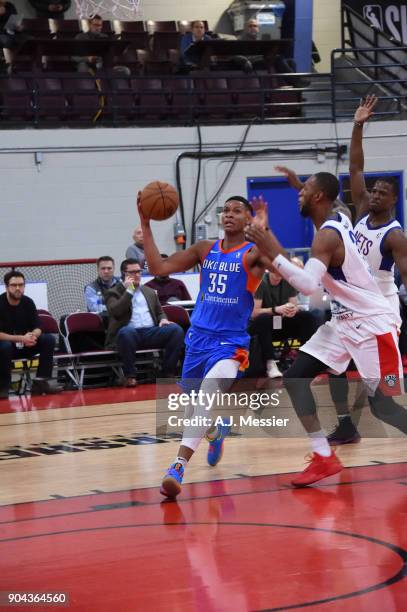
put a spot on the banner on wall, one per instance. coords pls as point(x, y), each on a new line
point(390, 16)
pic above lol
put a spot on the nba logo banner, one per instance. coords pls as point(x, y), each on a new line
point(374, 15)
point(388, 16)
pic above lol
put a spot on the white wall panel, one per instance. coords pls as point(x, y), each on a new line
point(82, 202)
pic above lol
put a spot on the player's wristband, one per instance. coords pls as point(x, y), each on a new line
point(357, 124)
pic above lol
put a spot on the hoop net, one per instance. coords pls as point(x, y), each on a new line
point(122, 10)
point(65, 280)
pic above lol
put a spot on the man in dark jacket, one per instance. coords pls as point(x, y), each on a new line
point(11, 35)
point(21, 336)
point(137, 321)
point(189, 58)
point(95, 292)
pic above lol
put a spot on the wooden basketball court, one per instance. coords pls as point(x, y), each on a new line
point(81, 514)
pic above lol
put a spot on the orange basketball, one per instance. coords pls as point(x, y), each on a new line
point(159, 201)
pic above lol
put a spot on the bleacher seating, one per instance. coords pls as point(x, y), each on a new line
point(135, 32)
point(64, 96)
point(37, 28)
point(67, 28)
point(44, 86)
point(16, 99)
point(50, 99)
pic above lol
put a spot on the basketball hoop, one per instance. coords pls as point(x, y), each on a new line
point(122, 10)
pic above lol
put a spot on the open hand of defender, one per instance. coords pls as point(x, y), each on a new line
point(261, 212)
point(365, 110)
point(257, 234)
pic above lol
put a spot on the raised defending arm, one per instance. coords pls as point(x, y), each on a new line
point(360, 195)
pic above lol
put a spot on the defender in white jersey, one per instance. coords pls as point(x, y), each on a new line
point(371, 243)
point(363, 326)
point(379, 237)
point(381, 242)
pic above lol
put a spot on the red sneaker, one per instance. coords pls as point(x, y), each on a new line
point(319, 467)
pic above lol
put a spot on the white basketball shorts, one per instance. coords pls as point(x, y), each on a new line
point(371, 342)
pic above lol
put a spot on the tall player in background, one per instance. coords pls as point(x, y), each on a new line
point(381, 242)
point(363, 326)
point(217, 342)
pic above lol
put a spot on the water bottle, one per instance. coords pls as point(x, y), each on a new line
point(19, 345)
point(99, 302)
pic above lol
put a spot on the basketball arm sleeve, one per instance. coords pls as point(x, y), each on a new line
point(304, 280)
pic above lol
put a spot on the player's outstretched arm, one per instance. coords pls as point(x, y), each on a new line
point(178, 262)
point(305, 280)
point(292, 177)
point(360, 195)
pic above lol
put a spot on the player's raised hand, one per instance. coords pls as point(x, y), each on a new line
point(365, 109)
point(291, 176)
point(257, 234)
point(261, 212)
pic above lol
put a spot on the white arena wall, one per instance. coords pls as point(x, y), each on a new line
point(72, 193)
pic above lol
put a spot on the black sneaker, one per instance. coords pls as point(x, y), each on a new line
point(344, 433)
point(45, 387)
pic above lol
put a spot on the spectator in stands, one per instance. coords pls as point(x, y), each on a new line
point(137, 321)
point(95, 292)
point(51, 10)
point(168, 289)
point(248, 64)
point(93, 63)
point(11, 35)
point(276, 316)
point(136, 250)
point(21, 336)
point(189, 58)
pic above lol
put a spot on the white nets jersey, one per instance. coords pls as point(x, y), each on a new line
point(354, 292)
point(370, 244)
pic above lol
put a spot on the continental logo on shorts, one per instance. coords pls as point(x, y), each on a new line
point(390, 380)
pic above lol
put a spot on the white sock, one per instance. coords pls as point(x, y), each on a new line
point(320, 444)
point(181, 460)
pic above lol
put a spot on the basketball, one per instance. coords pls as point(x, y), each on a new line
point(159, 201)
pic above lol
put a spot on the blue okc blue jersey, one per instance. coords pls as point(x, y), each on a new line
point(225, 300)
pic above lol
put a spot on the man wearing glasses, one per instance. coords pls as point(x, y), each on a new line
point(137, 321)
point(21, 336)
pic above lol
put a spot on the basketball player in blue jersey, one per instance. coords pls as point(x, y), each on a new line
point(363, 326)
point(381, 242)
point(217, 342)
